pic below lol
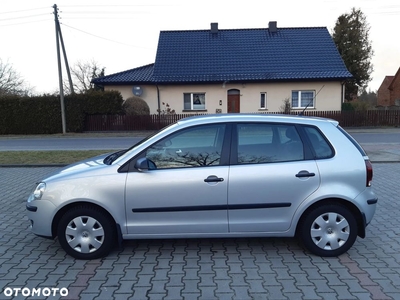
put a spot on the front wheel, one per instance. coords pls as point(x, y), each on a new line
point(86, 232)
point(328, 230)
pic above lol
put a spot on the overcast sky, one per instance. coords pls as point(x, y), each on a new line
point(123, 34)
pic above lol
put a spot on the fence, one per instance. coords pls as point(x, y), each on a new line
point(370, 118)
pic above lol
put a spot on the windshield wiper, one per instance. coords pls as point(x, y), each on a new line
point(112, 157)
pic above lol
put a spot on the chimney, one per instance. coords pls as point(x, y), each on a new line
point(272, 27)
point(214, 27)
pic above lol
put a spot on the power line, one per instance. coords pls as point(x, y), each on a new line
point(103, 38)
point(23, 10)
point(104, 12)
point(29, 22)
point(23, 17)
point(117, 5)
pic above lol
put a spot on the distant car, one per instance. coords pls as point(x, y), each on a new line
point(228, 175)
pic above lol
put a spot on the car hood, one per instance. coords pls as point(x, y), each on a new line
point(80, 169)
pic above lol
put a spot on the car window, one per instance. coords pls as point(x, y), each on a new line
point(193, 147)
point(320, 145)
point(264, 143)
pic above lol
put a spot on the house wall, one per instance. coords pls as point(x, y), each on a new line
point(329, 95)
point(383, 97)
point(395, 90)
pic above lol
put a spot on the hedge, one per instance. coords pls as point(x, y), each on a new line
point(42, 114)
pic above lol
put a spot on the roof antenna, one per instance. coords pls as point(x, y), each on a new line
point(309, 102)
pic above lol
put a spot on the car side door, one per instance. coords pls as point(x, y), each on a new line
point(269, 177)
point(183, 187)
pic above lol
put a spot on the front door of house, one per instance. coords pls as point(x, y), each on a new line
point(233, 101)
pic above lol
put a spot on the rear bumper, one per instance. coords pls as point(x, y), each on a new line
point(367, 202)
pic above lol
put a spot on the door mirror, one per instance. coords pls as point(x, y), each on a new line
point(142, 164)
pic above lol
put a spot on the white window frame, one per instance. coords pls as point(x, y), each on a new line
point(299, 94)
point(263, 94)
point(193, 106)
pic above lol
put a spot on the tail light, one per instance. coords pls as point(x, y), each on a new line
point(368, 166)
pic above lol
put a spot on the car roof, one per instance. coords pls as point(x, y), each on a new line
point(236, 117)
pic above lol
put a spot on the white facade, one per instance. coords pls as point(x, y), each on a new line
point(253, 97)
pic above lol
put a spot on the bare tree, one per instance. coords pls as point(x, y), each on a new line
point(11, 82)
point(82, 74)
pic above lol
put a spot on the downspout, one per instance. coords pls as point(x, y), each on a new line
point(343, 90)
point(159, 106)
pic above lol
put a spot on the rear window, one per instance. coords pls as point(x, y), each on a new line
point(321, 147)
point(353, 141)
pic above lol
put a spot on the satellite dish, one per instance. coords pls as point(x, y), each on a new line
point(137, 91)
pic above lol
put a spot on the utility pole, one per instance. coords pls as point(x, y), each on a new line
point(71, 86)
point(60, 81)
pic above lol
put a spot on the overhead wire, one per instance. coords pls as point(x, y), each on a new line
point(22, 10)
point(11, 18)
point(67, 17)
point(103, 38)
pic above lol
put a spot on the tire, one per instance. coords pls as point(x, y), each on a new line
point(329, 230)
point(86, 232)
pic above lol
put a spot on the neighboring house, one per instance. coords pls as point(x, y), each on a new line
point(389, 91)
point(238, 70)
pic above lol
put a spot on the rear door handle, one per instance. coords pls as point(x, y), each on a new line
point(213, 178)
point(305, 174)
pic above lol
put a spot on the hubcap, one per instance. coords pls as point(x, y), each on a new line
point(330, 231)
point(84, 234)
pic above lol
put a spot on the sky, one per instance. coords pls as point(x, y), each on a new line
point(123, 34)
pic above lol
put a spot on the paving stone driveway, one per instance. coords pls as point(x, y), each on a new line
point(200, 268)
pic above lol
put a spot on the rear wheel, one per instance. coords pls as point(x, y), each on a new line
point(86, 232)
point(328, 230)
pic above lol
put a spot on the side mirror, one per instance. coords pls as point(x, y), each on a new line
point(142, 164)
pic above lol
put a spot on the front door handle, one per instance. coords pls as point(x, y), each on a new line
point(213, 178)
point(304, 173)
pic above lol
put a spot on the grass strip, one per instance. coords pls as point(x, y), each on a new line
point(46, 157)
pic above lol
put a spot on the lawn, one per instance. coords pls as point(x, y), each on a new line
point(46, 157)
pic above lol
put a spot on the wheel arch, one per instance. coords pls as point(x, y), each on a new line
point(69, 206)
point(360, 218)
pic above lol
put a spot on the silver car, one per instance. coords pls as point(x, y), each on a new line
point(231, 175)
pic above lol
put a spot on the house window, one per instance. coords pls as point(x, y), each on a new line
point(302, 99)
point(194, 101)
point(263, 100)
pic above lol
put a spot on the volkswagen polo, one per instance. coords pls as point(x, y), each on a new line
point(230, 175)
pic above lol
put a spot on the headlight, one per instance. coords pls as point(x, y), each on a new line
point(38, 192)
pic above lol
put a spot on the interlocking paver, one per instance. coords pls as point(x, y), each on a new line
point(248, 268)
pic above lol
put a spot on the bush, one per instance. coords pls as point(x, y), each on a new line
point(356, 106)
point(285, 108)
point(135, 106)
point(42, 114)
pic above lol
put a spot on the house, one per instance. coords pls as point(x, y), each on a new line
point(238, 70)
point(389, 91)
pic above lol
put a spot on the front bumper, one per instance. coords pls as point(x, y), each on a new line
point(40, 214)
